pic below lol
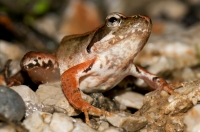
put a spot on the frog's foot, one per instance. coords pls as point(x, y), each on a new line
point(89, 109)
point(17, 79)
point(13, 82)
point(175, 85)
point(75, 99)
point(163, 85)
point(77, 102)
point(169, 90)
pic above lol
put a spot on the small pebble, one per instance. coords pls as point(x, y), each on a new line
point(52, 94)
point(38, 122)
point(11, 104)
point(61, 122)
point(79, 126)
point(26, 93)
point(32, 101)
point(130, 99)
point(103, 126)
point(192, 119)
point(127, 121)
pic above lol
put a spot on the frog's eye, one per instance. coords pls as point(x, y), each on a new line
point(113, 20)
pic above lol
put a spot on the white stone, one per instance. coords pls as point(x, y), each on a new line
point(63, 103)
point(52, 94)
point(169, 51)
point(127, 121)
point(117, 119)
point(49, 93)
point(112, 129)
point(45, 122)
point(32, 107)
point(130, 99)
point(36, 122)
point(173, 9)
point(82, 127)
point(188, 74)
point(47, 24)
point(32, 101)
point(12, 51)
point(61, 123)
point(103, 126)
point(192, 119)
point(26, 93)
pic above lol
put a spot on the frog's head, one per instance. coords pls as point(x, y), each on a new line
point(133, 28)
point(130, 32)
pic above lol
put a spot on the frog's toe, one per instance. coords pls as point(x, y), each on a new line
point(13, 82)
point(168, 89)
point(87, 120)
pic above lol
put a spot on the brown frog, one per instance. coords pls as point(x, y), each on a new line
point(95, 61)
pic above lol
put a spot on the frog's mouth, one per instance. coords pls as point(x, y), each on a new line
point(142, 43)
point(141, 31)
point(136, 38)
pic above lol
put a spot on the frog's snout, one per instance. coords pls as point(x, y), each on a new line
point(142, 21)
point(146, 18)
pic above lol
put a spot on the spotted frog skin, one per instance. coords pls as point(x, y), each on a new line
point(95, 61)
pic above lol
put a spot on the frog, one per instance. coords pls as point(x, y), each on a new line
point(95, 61)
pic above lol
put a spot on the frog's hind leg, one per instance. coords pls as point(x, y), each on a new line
point(70, 84)
point(37, 67)
point(41, 67)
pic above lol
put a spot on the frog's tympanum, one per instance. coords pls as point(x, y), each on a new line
point(95, 61)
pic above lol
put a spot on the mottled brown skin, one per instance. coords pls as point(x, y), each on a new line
point(98, 60)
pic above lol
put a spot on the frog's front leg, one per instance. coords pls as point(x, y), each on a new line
point(154, 81)
point(70, 86)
